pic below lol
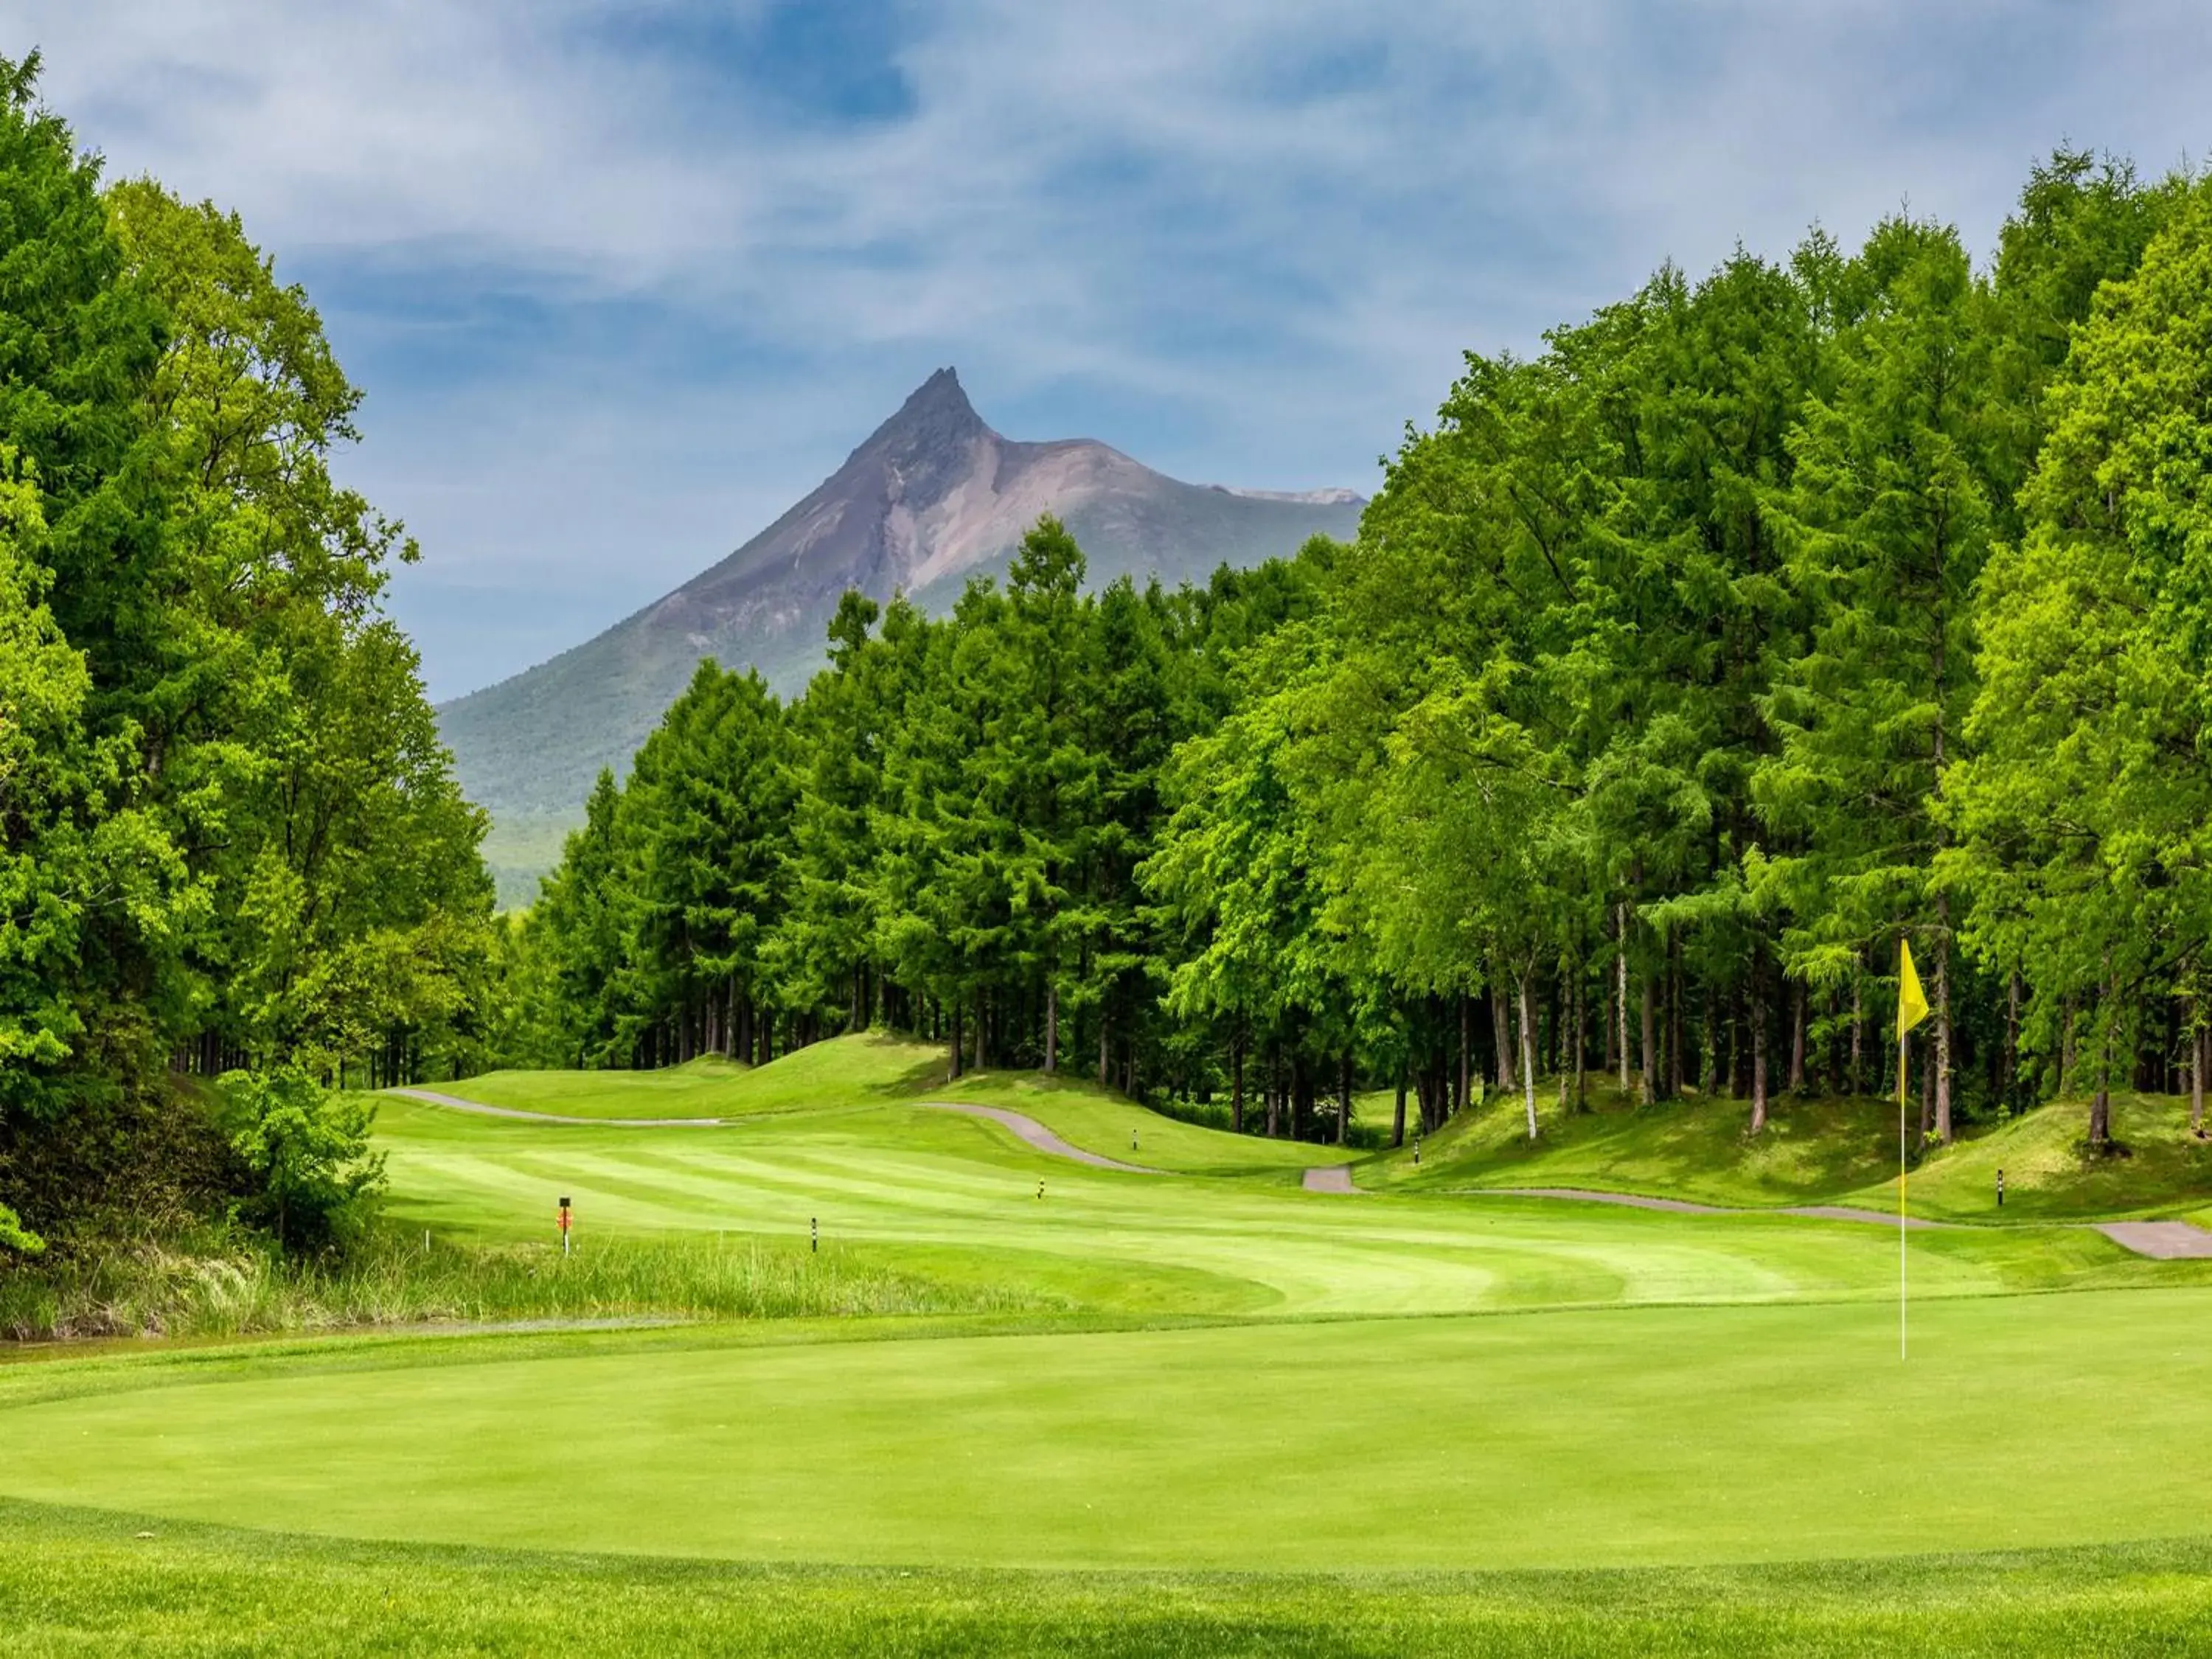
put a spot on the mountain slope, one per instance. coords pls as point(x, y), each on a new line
point(933, 497)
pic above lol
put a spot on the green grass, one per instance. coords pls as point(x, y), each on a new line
point(223, 1288)
point(957, 1197)
point(75, 1582)
point(1196, 1412)
point(1820, 1149)
point(1652, 1436)
point(875, 1068)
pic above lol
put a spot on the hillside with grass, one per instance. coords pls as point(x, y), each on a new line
point(1822, 1149)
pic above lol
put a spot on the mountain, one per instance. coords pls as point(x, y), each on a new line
point(933, 497)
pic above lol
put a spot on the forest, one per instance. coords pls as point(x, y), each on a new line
point(230, 842)
point(1678, 672)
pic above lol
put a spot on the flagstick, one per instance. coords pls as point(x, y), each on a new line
point(1902, 1040)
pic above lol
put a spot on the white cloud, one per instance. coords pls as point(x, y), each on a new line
point(1244, 240)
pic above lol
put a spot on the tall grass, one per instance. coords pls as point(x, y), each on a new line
point(221, 1287)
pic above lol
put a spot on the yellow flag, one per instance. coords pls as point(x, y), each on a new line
point(1911, 1006)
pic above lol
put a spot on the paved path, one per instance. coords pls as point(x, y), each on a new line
point(1330, 1178)
point(460, 1105)
point(1038, 1136)
point(2166, 1240)
point(1683, 1206)
point(2163, 1240)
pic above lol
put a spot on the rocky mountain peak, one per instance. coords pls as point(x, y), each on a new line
point(933, 497)
point(936, 419)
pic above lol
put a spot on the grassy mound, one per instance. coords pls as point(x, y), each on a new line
point(873, 1068)
point(1818, 1151)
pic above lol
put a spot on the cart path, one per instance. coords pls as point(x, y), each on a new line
point(458, 1105)
point(2162, 1241)
point(1683, 1206)
point(1330, 1178)
point(1035, 1134)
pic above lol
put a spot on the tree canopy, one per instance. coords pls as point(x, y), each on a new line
point(1677, 673)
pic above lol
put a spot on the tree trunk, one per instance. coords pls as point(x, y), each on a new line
point(2066, 1056)
point(957, 1045)
point(1798, 1039)
point(1466, 1052)
point(1102, 1054)
point(2100, 1107)
point(1943, 1018)
point(1605, 1026)
point(2010, 1084)
point(1858, 1033)
point(1758, 1022)
point(1051, 1028)
point(1527, 1059)
point(1344, 1100)
point(2198, 1045)
point(1620, 989)
point(1675, 1065)
point(1647, 1084)
point(1398, 1116)
point(1502, 1035)
point(1236, 1078)
point(1274, 1090)
point(1581, 1047)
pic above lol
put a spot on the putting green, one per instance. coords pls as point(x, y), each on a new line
point(1652, 1436)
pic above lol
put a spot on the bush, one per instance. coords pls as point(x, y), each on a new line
point(307, 1149)
point(13, 1236)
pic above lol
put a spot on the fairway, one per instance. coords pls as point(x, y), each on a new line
point(1230, 1233)
point(1638, 1437)
point(1242, 1374)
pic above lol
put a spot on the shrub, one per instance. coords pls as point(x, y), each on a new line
point(307, 1153)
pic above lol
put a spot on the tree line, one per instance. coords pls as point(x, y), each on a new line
point(230, 842)
point(1677, 673)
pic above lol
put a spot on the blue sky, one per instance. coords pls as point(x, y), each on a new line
point(624, 281)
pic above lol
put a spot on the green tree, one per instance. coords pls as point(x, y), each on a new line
point(2084, 811)
point(1886, 526)
point(308, 1152)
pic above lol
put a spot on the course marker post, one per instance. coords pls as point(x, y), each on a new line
point(814, 1232)
point(564, 1224)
